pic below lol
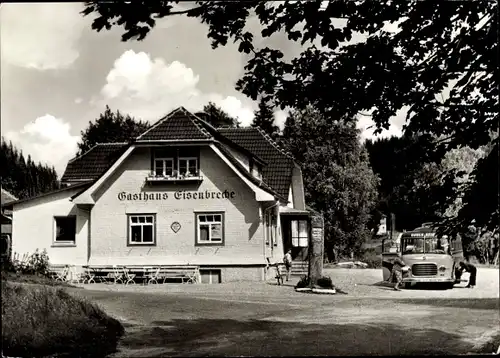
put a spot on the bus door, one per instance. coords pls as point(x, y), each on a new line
point(390, 250)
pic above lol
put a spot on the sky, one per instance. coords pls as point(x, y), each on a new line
point(57, 74)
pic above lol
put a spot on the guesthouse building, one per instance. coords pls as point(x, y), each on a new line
point(227, 200)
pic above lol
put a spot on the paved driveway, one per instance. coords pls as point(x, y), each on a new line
point(262, 319)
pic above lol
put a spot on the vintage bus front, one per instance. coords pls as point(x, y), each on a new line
point(428, 258)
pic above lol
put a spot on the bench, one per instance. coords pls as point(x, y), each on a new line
point(184, 273)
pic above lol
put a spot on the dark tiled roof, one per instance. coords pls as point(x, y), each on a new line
point(246, 173)
point(182, 125)
point(92, 164)
point(177, 125)
point(278, 171)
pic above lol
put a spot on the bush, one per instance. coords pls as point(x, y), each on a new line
point(42, 321)
point(372, 258)
point(35, 264)
point(323, 282)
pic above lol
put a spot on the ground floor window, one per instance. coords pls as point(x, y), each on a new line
point(300, 233)
point(141, 229)
point(209, 228)
point(210, 276)
point(65, 229)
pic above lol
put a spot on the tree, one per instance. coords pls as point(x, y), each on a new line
point(437, 46)
point(110, 127)
point(218, 118)
point(338, 180)
point(24, 178)
point(264, 119)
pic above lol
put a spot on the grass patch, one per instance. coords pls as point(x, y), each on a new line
point(48, 321)
point(33, 279)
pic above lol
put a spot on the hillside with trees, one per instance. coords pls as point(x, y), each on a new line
point(23, 177)
point(338, 179)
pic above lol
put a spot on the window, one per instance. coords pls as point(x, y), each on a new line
point(188, 166)
point(141, 229)
point(164, 167)
point(210, 229)
point(299, 233)
point(65, 229)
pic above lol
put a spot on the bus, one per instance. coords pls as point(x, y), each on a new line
point(428, 257)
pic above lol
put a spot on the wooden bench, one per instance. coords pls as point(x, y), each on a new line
point(184, 273)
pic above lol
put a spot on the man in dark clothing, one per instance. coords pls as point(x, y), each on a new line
point(397, 273)
point(471, 269)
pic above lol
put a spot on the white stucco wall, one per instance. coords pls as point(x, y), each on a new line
point(243, 241)
point(33, 228)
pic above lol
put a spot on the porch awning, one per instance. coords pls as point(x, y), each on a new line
point(285, 210)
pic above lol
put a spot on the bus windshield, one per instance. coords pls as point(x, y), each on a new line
point(422, 246)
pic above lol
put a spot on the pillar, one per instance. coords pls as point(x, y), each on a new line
point(316, 248)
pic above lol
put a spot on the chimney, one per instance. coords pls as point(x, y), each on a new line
point(203, 115)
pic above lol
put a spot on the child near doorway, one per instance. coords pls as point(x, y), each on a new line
point(288, 264)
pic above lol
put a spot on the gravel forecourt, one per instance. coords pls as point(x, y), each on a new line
point(262, 319)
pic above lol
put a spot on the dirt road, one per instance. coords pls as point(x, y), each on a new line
point(263, 319)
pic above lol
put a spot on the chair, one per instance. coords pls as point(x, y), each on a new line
point(88, 276)
point(75, 276)
point(62, 275)
point(128, 277)
point(192, 276)
point(153, 277)
point(117, 275)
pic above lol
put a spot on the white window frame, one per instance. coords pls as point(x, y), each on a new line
point(164, 164)
point(299, 236)
point(220, 242)
point(145, 223)
point(188, 159)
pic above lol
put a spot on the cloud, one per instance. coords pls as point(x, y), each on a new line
point(48, 140)
point(42, 36)
point(367, 126)
point(149, 88)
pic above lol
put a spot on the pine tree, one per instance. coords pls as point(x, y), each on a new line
point(264, 119)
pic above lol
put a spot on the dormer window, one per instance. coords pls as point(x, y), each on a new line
point(164, 167)
point(188, 166)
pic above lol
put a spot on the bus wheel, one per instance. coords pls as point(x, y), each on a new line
point(449, 286)
point(407, 285)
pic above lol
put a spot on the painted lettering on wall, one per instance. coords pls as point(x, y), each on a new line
point(178, 195)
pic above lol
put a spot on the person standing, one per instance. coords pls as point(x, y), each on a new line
point(288, 264)
point(397, 273)
point(471, 269)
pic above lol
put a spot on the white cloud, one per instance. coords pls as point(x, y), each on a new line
point(367, 126)
point(48, 140)
point(78, 100)
point(41, 35)
point(149, 88)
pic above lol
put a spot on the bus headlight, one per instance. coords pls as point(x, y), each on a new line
point(442, 268)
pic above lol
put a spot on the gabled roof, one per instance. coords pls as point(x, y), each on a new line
point(91, 165)
point(278, 171)
point(179, 124)
point(248, 175)
point(7, 197)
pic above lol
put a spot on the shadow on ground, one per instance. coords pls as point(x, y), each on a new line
point(213, 337)
point(470, 303)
